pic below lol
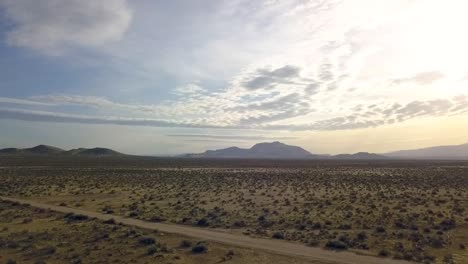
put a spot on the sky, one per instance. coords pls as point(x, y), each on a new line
point(170, 77)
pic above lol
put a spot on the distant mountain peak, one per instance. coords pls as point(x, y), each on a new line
point(264, 150)
point(97, 152)
point(44, 149)
point(269, 144)
point(278, 150)
point(50, 150)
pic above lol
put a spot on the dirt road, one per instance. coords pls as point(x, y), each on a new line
point(280, 247)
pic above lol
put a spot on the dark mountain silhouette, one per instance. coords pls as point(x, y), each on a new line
point(231, 152)
point(75, 151)
point(10, 151)
point(360, 156)
point(49, 150)
point(277, 150)
point(438, 152)
point(273, 150)
point(43, 149)
point(94, 152)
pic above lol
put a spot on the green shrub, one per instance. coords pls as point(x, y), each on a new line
point(199, 248)
point(185, 244)
point(278, 235)
point(70, 217)
point(147, 241)
point(336, 245)
point(151, 250)
point(384, 253)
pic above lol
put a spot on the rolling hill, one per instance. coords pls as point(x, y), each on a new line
point(94, 152)
point(40, 149)
point(43, 149)
point(438, 152)
point(50, 150)
point(10, 151)
point(360, 156)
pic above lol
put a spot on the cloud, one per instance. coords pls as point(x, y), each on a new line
point(325, 73)
point(7, 100)
point(51, 26)
point(312, 88)
point(280, 108)
point(422, 78)
point(43, 116)
point(217, 110)
point(258, 121)
point(419, 108)
point(372, 116)
point(286, 72)
point(235, 137)
point(261, 116)
point(266, 79)
point(278, 103)
point(461, 103)
point(92, 101)
point(191, 89)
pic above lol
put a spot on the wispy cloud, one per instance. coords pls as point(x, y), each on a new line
point(7, 100)
point(91, 101)
point(372, 116)
point(266, 79)
point(43, 116)
point(233, 137)
point(51, 26)
point(361, 116)
point(422, 78)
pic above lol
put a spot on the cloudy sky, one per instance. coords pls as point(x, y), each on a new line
point(168, 77)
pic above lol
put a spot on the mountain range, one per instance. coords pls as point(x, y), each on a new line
point(50, 150)
point(261, 150)
point(277, 150)
point(266, 150)
point(456, 152)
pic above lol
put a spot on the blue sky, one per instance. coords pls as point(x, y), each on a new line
point(168, 77)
